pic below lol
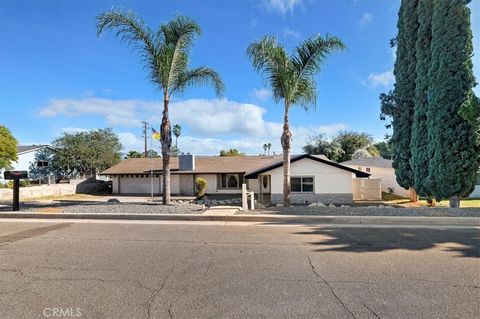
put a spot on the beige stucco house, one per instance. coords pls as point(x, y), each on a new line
point(313, 177)
point(382, 169)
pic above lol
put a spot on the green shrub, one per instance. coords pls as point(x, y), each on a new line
point(24, 183)
point(200, 187)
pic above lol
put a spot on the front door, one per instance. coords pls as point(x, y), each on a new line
point(265, 184)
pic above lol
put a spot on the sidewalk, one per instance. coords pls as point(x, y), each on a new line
point(226, 215)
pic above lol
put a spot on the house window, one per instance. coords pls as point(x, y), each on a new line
point(42, 164)
point(367, 169)
point(301, 184)
point(229, 181)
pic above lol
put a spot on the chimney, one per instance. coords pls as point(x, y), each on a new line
point(186, 162)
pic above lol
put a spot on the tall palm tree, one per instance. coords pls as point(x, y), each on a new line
point(269, 146)
point(265, 146)
point(177, 131)
point(291, 79)
point(165, 53)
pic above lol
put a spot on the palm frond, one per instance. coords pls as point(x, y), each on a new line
point(307, 60)
point(179, 34)
point(270, 59)
point(132, 30)
point(309, 55)
point(197, 77)
point(305, 94)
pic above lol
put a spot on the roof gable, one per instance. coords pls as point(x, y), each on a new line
point(254, 174)
point(22, 149)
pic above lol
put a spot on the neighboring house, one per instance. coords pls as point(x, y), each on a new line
point(476, 192)
point(313, 178)
point(26, 156)
point(380, 168)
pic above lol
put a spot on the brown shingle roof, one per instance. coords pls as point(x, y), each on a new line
point(203, 165)
point(28, 148)
point(370, 162)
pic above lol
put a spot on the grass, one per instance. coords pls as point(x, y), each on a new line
point(391, 199)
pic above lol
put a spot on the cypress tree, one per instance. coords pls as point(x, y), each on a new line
point(420, 156)
point(405, 75)
point(453, 144)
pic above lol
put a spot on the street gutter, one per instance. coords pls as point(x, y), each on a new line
point(270, 219)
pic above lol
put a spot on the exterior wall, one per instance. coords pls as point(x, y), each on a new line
point(305, 198)
point(476, 192)
point(387, 175)
point(181, 184)
point(24, 161)
point(331, 184)
point(253, 185)
point(22, 164)
point(186, 182)
point(327, 179)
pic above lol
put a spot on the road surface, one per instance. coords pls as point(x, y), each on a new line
point(180, 270)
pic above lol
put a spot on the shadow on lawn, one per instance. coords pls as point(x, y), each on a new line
point(362, 239)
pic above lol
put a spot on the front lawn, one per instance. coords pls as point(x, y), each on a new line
point(391, 199)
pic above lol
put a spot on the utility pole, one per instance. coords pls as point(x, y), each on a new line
point(145, 137)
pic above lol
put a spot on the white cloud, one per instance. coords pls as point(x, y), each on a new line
point(380, 79)
point(131, 141)
point(254, 144)
point(366, 19)
point(393, 52)
point(290, 33)
point(282, 6)
point(261, 95)
point(209, 125)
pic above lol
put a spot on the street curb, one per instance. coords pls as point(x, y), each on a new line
point(268, 219)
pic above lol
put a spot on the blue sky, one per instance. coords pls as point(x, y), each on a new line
point(56, 75)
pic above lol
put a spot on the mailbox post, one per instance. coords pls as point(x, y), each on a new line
point(16, 176)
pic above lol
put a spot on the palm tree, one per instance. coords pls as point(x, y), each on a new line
point(265, 146)
point(165, 53)
point(291, 78)
point(269, 146)
point(177, 131)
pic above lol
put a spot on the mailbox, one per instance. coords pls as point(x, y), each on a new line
point(15, 175)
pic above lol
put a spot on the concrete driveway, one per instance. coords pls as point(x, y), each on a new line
point(157, 270)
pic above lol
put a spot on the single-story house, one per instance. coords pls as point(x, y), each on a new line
point(382, 169)
point(26, 157)
point(313, 177)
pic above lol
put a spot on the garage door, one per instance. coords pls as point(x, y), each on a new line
point(138, 185)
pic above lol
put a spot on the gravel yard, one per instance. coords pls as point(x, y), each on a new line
point(110, 208)
point(366, 211)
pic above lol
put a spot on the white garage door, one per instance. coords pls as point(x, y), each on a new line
point(138, 185)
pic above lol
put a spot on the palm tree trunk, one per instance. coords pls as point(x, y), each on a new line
point(166, 140)
point(286, 145)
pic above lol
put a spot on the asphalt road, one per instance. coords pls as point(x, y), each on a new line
point(128, 270)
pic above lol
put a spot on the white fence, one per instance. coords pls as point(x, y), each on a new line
point(367, 189)
point(75, 186)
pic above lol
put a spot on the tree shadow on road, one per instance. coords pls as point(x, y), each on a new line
point(363, 239)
